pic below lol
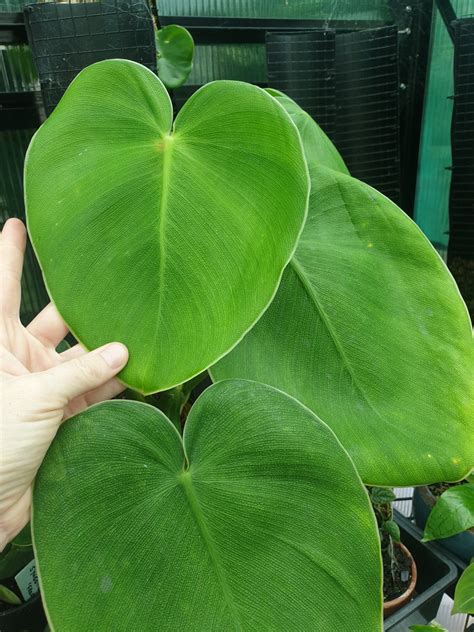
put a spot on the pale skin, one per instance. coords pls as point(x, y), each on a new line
point(39, 388)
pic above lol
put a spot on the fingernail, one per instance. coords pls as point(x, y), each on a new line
point(115, 355)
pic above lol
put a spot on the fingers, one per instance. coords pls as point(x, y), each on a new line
point(9, 364)
point(107, 391)
point(48, 327)
point(87, 372)
point(73, 352)
point(12, 248)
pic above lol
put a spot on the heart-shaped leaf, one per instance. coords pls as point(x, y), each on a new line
point(369, 330)
point(255, 520)
point(171, 240)
point(175, 48)
point(452, 513)
point(464, 593)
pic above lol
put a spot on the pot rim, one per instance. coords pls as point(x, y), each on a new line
point(411, 587)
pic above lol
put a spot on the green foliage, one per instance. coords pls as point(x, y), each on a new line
point(368, 330)
point(235, 526)
point(8, 596)
point(452, 513)
point(175, 49)
point(381, 495)
point(16, 554)
point(464, 592)
point(392, 528)
point(170, 238)
point(428, 628)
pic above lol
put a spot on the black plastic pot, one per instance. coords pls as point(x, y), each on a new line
point(29, 617)
point(65, 37)
point(461, 545)
point(436, 573)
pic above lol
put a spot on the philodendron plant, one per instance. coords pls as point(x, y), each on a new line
point(204, 241)
point(175, 51)
point(453, 513)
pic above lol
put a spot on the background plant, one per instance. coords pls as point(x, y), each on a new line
point(453, 513)
point(175, 51)
point(375, 337)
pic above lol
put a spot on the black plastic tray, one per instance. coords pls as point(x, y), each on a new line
point(436, 573)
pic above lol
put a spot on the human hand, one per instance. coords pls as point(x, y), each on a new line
point(39, 388)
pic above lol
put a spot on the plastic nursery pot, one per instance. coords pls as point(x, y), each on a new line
point(389, 607)
point(461, 545)
point(29, 617)
point(436, 574)
point(65, 37)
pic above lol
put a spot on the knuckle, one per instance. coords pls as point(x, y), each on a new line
point(89, 371)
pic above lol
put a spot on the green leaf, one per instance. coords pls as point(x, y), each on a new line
point(172, 402)
point(63, 346)
point(317, 146)
point(175, 48)
point(464, 592)
point(236, 526)
point(368, 329)
point(8, 596)
point(392, 528)
point(452, 513)
point(382, 495)
point(171, 240)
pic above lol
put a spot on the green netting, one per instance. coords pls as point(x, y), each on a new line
point(11, 6)
point(247, 62)
point(13, 145)
point(289, 9)
point(434, 176)
point(241, 62)
point(17, 69)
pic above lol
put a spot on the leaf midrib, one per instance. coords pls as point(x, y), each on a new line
point(187, 484)
point(310, 290)
point(163, 208)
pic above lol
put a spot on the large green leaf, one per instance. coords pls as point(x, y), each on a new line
point(464, 593)
point(256, 520)
point(368, 329)
point(171, 240)
point(175, 49)
point(452, 513)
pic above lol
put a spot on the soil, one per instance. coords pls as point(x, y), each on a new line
point(397, 583)
point(12, 585)
point(463, 271)
point(439, 488)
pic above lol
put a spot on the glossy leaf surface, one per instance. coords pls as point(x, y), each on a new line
point(175, 48)
point(464, 593)
point(452, 513)
point(368, 329)
point(237, 526)
point(168, 238)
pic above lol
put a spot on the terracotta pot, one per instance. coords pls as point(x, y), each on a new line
point(389, 607)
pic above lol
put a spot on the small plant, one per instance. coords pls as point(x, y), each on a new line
point(175, 51)
point(234, 240)
point(397, 567)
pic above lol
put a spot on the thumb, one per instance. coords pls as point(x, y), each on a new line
point(87, 372)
